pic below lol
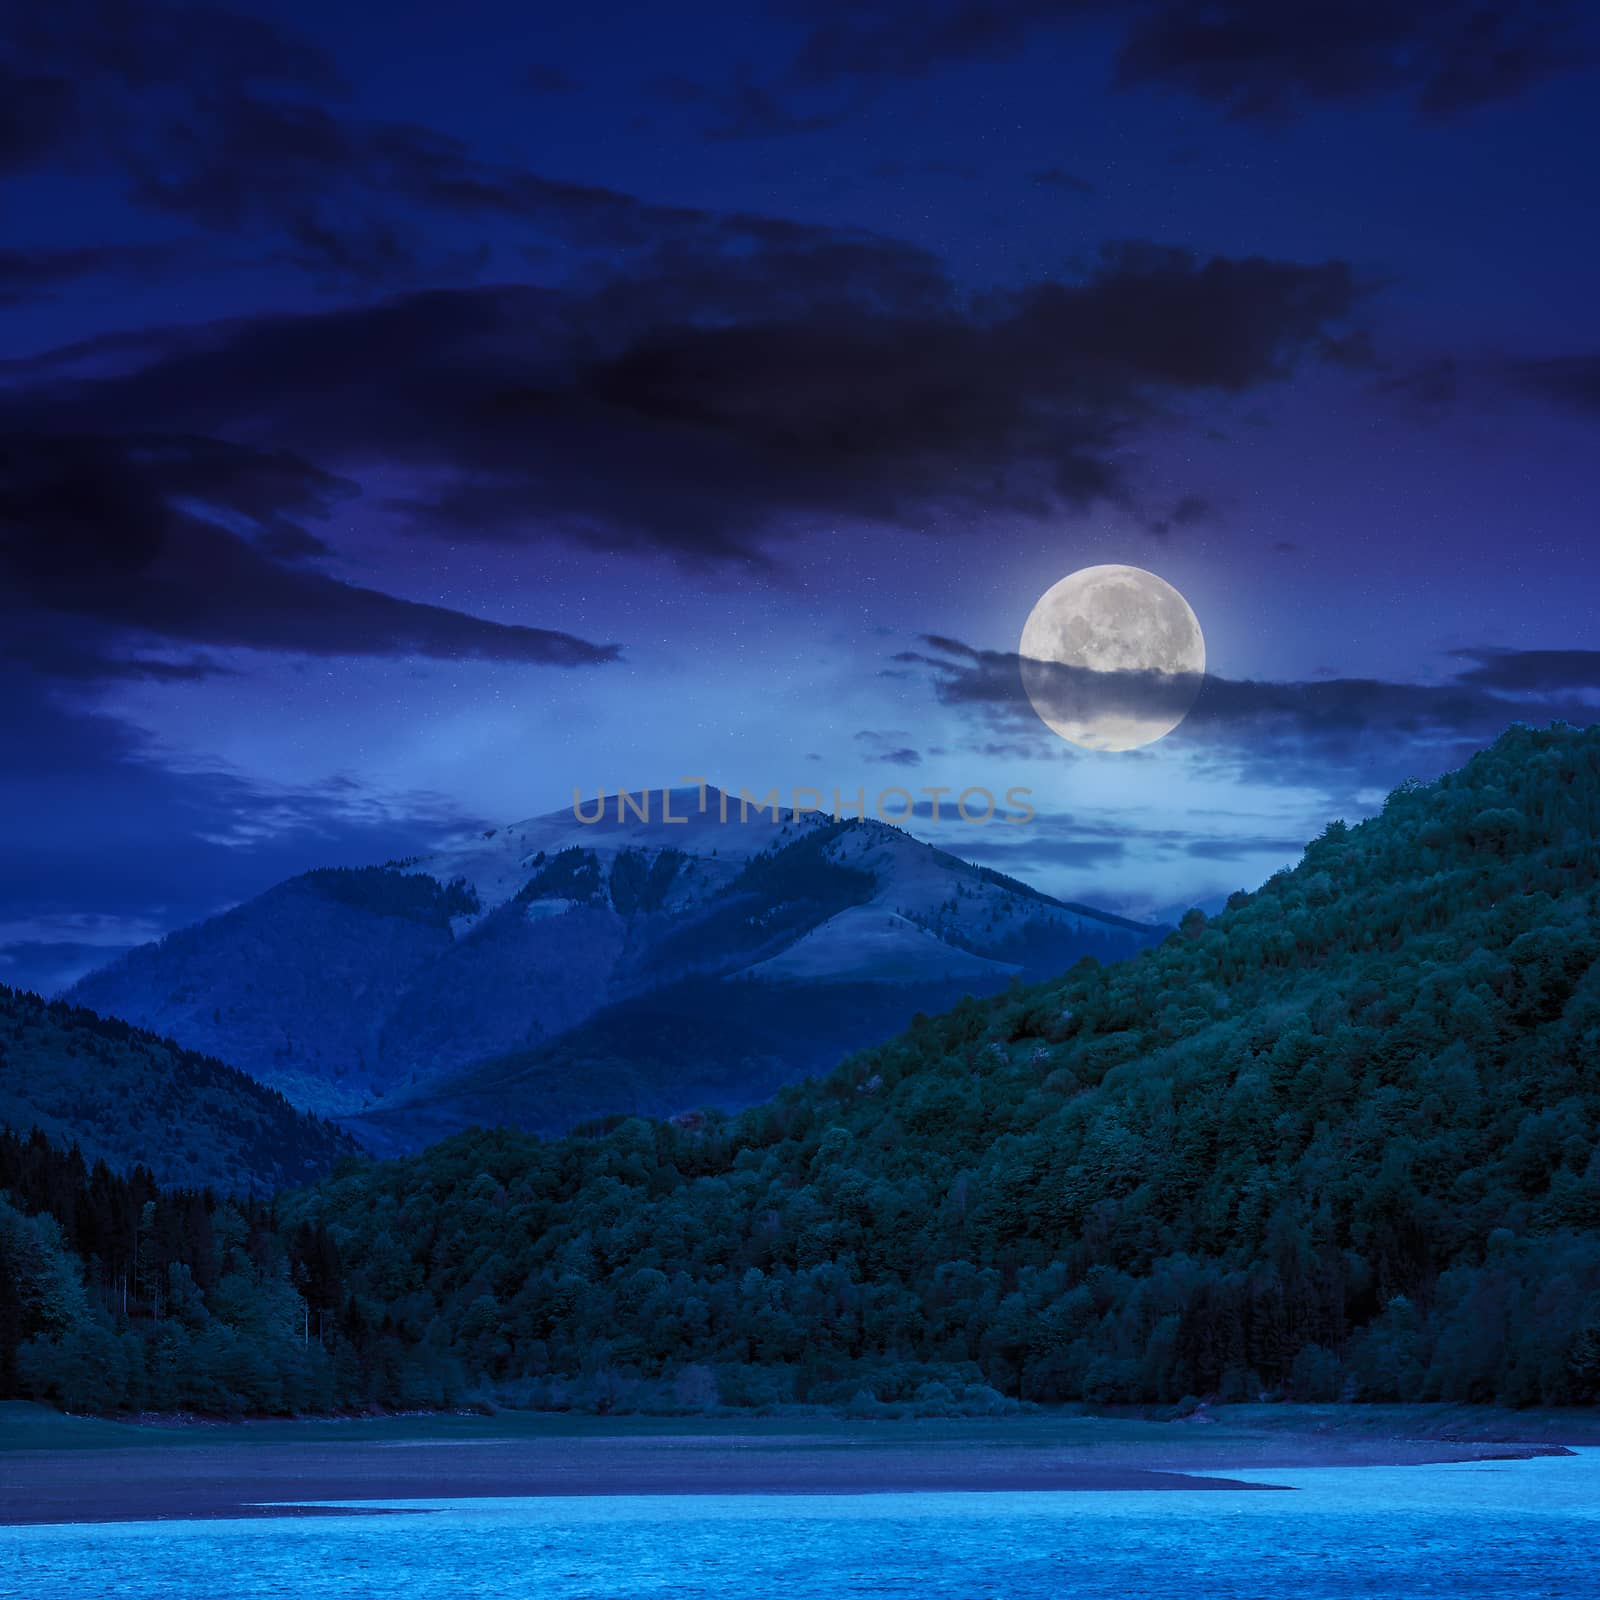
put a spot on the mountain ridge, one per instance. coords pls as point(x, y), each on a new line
point(355, 990)
point(186, 1117)
point(1341, 1141)
point(1322, 1145)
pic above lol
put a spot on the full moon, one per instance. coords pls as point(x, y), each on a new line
point(1112, 657)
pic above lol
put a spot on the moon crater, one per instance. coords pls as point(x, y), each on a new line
point(1112, 657)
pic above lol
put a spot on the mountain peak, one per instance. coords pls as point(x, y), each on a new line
point(357, 989)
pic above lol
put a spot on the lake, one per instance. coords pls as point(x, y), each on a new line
point(1507, 1529)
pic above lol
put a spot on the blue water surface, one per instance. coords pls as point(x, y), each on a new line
point(1519, 1529)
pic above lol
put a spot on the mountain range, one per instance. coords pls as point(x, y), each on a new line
point(556, 970)
point(1337, 1142)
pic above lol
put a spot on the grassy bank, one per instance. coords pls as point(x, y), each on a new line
point(1212, 1430)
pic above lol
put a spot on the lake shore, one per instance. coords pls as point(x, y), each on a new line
point(57, 1469)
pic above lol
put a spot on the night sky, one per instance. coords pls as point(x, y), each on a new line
point(411, 413)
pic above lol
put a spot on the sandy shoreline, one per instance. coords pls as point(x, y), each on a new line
point(114, 1473)
point(213, 1482)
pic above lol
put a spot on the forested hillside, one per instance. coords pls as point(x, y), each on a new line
point(293, 985)
point(698, 1042)
point(125, 1096)
point(1339, 1140)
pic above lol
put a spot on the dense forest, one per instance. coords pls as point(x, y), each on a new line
point(697, 1042)
point(1338, 1141)
point(115, 1292)
point(392, 892)
point(127, 1097)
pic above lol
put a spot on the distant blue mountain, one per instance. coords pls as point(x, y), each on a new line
point(529, 975)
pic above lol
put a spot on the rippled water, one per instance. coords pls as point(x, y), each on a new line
point(1506, 1529)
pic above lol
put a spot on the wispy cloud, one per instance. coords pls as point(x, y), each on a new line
point(1332, 731)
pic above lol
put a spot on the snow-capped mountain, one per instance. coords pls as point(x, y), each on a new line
point(557, 968)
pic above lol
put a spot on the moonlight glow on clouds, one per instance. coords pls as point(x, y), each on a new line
point(390, 445)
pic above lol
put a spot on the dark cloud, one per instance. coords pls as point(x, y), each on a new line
point(1572, 382)
point(1531, 671)
point(743, 108)
point(881, 39)
point(152, 44)
point(137, 82)
point(232, 124)
point(888, 748)
point(349, 200)
point(1336, 716)
point(710, 395)
point(1004, 686)
point(229, 123)
point(288, 541)
point(1431, 386)
point(749, 110)
point(1259, 58)
point(1251, 58)
point(1060, 178)
point(1188, 510)
point(274, 163)
point(1335, 731)
point(98, 656)
point(369, 253)
point(197, 542)
point(38, 118)
point(709, 380)
point(40, 274)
